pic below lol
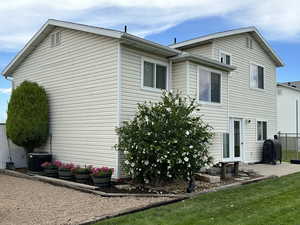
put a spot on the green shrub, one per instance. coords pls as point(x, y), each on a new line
point(27, 116)
point(165, 140)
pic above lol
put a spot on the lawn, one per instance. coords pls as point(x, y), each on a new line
point(271, 202)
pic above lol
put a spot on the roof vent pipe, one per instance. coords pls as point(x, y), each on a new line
point(175, 41)
point(125, 28)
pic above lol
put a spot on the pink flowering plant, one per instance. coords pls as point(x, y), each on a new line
point(51, 165)
point(102, 171)
point(165, 141)
point(66, 166)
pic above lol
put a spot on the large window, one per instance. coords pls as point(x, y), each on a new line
point(155, 75)
point(261, 130)
point(256, 76)
point(209, 86)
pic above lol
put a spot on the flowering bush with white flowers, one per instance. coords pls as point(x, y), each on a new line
point(165, 140)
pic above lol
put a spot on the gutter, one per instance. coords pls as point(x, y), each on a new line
point(167, 50)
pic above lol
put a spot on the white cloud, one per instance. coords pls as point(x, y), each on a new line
point(277, 19)
point(5, 91)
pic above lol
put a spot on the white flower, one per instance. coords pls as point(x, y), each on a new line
point(146, 181)
point(126, 162)
point(146, 162)
point(186, 159)
point(187, 133)
point(149, 133)
point(169, 167)
point(158, 172)
point(168, 109)
point(126, 152)
point(191, 146)
point(169, 175)
point(179, 161)
point(132, 164)
point(189, 165)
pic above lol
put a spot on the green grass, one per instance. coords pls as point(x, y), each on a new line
point(271, 202)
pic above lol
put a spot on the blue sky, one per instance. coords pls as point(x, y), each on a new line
point(159, 21)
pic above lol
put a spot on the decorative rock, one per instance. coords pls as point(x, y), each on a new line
point(207, 178)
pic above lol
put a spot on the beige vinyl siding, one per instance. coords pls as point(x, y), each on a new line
point(244, 102)
point(132, 92)
point(204, 50)
point(179, 77)
point(80, 77)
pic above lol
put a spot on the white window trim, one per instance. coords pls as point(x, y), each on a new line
point(256, 88)
point(198, 88)
point(150, 60)
point(226, 53)
point(256, 129)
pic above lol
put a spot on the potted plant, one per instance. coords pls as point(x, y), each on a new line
point(51, 169)
point(65, 171)
point(102, 176)
point(82, 174)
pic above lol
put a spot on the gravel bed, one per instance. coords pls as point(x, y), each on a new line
point(24, 201)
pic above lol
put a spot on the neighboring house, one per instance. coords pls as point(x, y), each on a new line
point(288, 105)
point(295, 84)
point(95, 77)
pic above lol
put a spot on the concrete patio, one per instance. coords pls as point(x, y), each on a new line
point(276, 170)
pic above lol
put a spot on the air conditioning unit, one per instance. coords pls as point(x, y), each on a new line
point(35, 160)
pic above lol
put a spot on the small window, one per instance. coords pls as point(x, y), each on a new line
point(55, 39)
point(226, 148)
point(256, 76)
point(155, 75)
point(261, 130)
point(225, 58)
point(209, 86)
point(249, 43)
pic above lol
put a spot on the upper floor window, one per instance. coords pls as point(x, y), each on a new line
point(249, 43)
point(225, 58)
point(154, 75)
point(209, 86)
point(55, 39)
point(256, 76)
point(261, 130)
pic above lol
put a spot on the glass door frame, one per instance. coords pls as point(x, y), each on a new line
point(231, 140)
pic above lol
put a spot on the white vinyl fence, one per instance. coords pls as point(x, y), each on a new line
point(10, 151)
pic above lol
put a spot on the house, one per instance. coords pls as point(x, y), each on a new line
point(95, 77)
point(295, 84)
point(288, 101)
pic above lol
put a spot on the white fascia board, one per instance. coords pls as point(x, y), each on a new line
point(206, 38)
